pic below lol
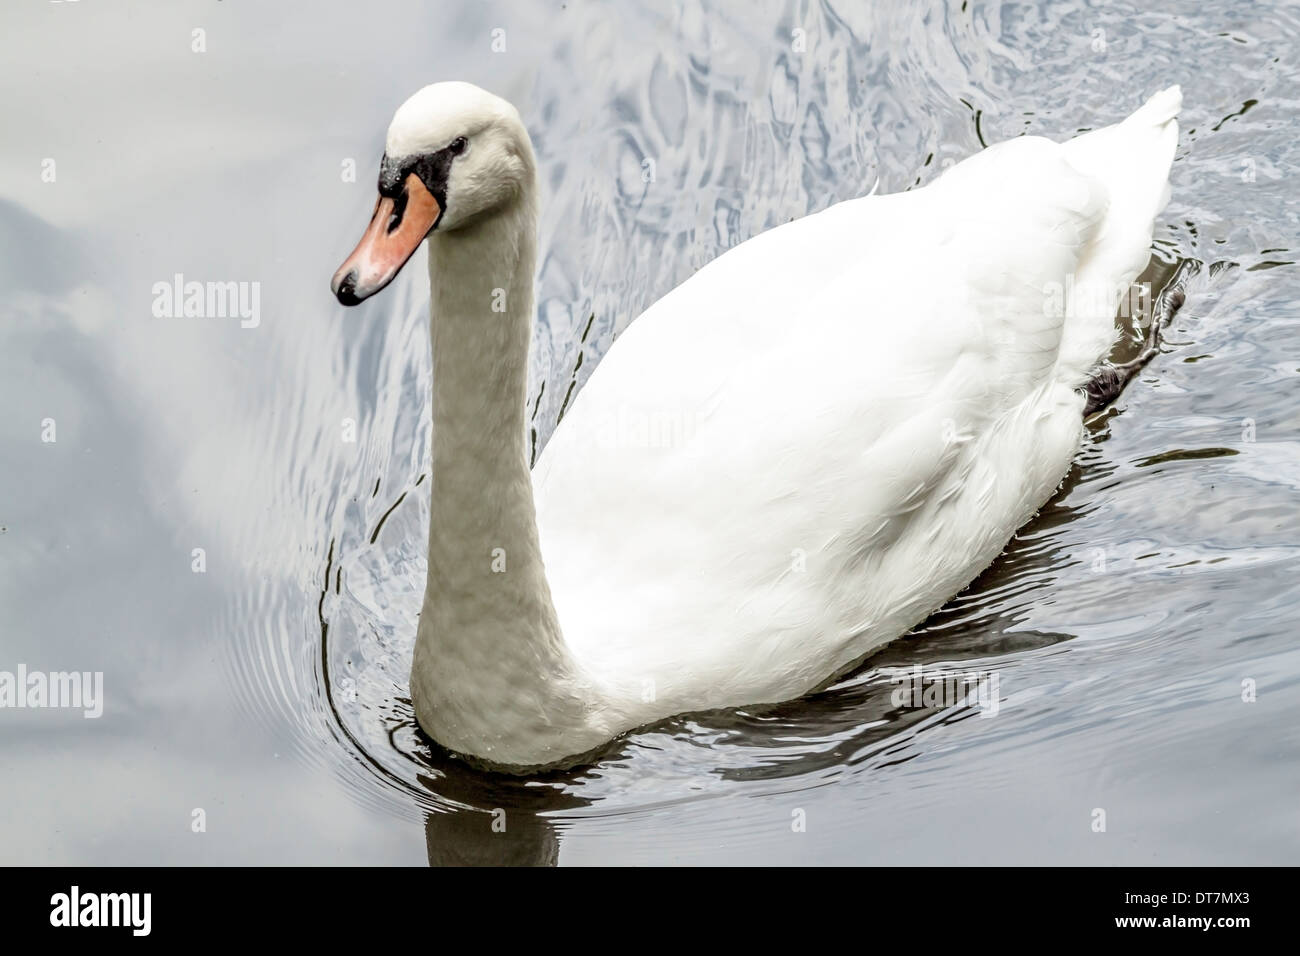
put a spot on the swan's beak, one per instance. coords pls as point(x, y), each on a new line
point(396, 230)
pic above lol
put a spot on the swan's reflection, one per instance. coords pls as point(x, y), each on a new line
point(497, 819)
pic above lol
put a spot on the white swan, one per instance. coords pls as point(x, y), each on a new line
point(786, 462)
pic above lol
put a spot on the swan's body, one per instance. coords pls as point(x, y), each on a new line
point(786, 462)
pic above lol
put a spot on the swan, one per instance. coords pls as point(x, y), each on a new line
point(786, 462)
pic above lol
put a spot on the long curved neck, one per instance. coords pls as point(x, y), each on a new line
point(490, 662)
point(482, 516)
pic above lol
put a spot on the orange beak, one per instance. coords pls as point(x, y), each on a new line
point(396, 230)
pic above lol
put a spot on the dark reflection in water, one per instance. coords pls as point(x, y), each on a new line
point(1127, 625)
point(498, 819)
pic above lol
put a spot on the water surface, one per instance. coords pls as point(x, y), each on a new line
point(269, 690)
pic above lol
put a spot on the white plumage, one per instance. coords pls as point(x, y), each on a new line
point(786, 462)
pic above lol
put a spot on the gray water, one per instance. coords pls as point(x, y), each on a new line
point(1125, 624)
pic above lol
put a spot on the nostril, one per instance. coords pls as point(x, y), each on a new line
point(347, 289)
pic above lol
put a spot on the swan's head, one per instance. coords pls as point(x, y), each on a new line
point(455, 154)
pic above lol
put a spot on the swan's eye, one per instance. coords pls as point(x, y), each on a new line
point(457, 145)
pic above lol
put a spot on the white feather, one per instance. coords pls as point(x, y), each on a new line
point(788, 461)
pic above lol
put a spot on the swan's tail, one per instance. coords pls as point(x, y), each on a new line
point(1131, 161)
